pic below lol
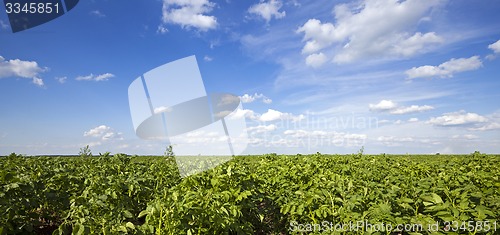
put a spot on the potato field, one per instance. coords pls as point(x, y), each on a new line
point(267, 194)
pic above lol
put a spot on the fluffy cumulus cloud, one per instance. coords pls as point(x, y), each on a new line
point(23, 69)
point(495, 47)
point(273, 115)
point(393, 108)
point(446, 69)
point(317, 35)
point(316, 60)
point(97, 78)
point(104, 133)
point(370, 29)
point(38, 82)
point(246, 98)
point(189, 14)
point(457, 118)
point(493, 123)
point(269, 116)
point(383, 105)
point(267, 10)
point(240, 113)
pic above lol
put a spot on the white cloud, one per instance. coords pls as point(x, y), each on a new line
point(162, 109)
point(465, 136)
point(189, 13)
point(97, 78)
point(495, 47)
point(446, 69)
point(97, 132)
point(94, 144)
point(61, 80)
point(413, 120)
point(393, 108)
point(207, 58)
point(470, 137)
point(262, 128)
point(413, 44)
point(268, 10)
point(317, 137)
point(411, 109)
point(38, 82)
point(246, 98)
point(266, 100)
point(200, 137)
point(383, 105)
point(487, 127)
point(317, 35)
point(316, 60)
point(457, 118)
point(371, 29)
point(384, 121)
point(239, 113)
point(304, 133)
point(104, 133)
point(394, 139)
point(97, 13)
point(161, 29)
point(23, 69)
point(428, 138)
point(273, 115)
point(296, 133)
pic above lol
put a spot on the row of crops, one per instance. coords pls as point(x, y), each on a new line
point(268, 194)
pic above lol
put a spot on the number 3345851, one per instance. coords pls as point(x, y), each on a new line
point(32, 8)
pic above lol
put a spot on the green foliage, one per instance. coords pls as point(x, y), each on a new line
point(85, 152)
point(361, 151)
point(169, 152)
point(106, 154)
point(13, 155)
point(120, 194)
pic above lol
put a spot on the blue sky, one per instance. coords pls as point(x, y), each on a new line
point(330, 76)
